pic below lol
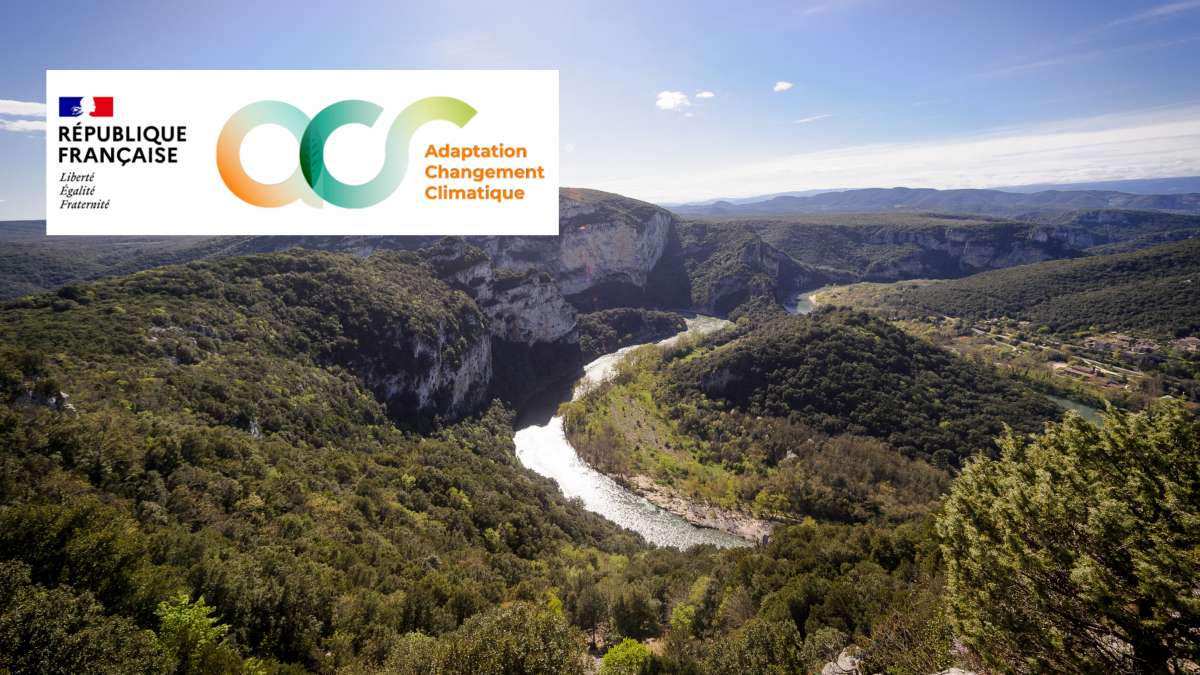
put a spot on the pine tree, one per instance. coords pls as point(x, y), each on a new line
point(1078, 549)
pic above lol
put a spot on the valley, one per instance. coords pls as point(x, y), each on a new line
point(720, 438)
point(1119, 327)
point(544, 448)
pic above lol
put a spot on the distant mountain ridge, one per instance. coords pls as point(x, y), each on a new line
point(1137, 186)
point(985, 202)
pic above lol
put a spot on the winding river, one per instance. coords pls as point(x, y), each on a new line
point(542, 446)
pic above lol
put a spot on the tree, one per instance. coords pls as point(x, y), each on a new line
point(590, 610)
point(58, 632)
point(635, 613)
point(189, 632)
point(759, 648)
point(519, 638)
point(1078, 547)
point(629, 657)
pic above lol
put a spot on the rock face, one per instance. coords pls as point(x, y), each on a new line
point(534, 340)
point(723, 265)
point(528, 288)
point(952, 252)
point(524, 307)
point(605, 241)
point(448, 380)
point(606, 248)
point(846, 664)
point(420, 346)
point(940, 248)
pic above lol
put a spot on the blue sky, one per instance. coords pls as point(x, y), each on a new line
point(920, 93)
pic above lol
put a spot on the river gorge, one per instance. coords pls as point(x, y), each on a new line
point(542, 447)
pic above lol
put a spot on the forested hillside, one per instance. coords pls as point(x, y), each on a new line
point(611, 329)
point(249, 465)
point(775, 418)
point(196, 478)
point(846, 371)
point(208, 432)
point(792, 417)
point(1155, 291)
point(31, 262)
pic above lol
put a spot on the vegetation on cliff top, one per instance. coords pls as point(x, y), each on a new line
point(1154, 291)
point(608, 330)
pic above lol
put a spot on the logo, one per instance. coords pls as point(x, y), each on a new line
point(85, 106)
point(311, 181)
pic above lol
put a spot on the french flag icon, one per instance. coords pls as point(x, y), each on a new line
point(85, 106)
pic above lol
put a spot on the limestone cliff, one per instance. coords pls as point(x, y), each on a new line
point(523, 307)
point(534, 340)
point(724, 265)
point(420, 346)
point(606, 247)
point(451, 375)
point(871, 247)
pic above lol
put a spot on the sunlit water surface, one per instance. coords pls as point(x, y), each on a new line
point(544, 449)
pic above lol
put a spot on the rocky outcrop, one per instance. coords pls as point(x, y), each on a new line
point(605, 241)
point(534, 340)
point(451, 379)
point(847, 663)
point(419, 345)
point(735, 522)
point(960, 251)
point(604, 255)
point(943, 247)
point(524, 306)
point(606, 248)
point(725, 265)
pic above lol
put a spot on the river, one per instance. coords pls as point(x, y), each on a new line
point(801, 302)
point(542, 446)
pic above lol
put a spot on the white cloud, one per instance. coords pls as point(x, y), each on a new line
point(11, 108)
point(569, 148)
point(22, 125)
point(1148, 144)
point(22, 108)
point(1157, 12)
point(672, 100)
point(814, 118)
point(705, 94)
point(783, 85)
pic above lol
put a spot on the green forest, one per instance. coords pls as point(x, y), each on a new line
point(202, 471)
point(835, 415)
point(608, 330)
point(1153, 291)
point(843, 371)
